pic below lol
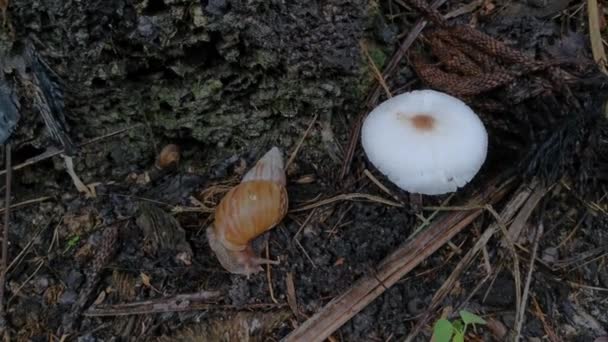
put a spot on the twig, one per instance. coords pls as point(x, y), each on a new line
point(521, 218)
point(181, 302)
point(269, 275)
point(380, 185)
point(17, 260)
point(56, 152)
point(347, 197)
point(521, 314)
point(28, 202)
point(599, 55)
point(299, 145)
point(548, 329)
point(7, 212)
point(377, 72)
point(391, 269)
point(291, 295)
point(161, 305)
point(40, 264)
point(514, 256)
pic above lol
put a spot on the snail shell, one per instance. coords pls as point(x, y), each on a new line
point(247, 211)
point(169, 157)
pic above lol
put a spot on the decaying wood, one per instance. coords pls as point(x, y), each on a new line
point(342, 308)
point(181, 302)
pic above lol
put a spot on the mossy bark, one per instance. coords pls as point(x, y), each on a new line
point(218, 76)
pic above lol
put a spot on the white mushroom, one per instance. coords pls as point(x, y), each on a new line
point(425, 141)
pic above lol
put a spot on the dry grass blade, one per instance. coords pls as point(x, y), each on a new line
point(521, 314)
point(511, 247)
point(391, 269)
point(297, 149)
point(269, 274)
point(377, 73)
point(347, 197)
point(28, 202)
point(538, 312)
point(291, 295)
point(595, 34)
point(520, 220)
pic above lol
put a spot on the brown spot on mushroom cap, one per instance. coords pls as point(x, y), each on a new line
point(422, 122)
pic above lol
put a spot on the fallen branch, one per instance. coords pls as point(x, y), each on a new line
point(342, 308)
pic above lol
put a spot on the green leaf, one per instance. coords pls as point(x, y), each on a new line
point(459, 326)
point(470, 318)
point(459, 337)
point(73, 241)
point(443, 330)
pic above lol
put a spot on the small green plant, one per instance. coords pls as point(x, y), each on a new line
point(446, 331)
point(72, 242)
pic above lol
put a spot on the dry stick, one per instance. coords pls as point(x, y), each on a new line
point(28, 202)
point(548, 329)
point(181, 302)
point(295, 152)
point(7, 212)
point(508, 212)
point(269, 275)
point(391, 269)
point(597, 46)
point(514, 256)
point(521, 219)
point(50, 154)
point(347, 197)
point(521, 314)
point(291, 295)
point(375, 93)
point(377, 72)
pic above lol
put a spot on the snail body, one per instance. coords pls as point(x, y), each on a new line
point(247, 211)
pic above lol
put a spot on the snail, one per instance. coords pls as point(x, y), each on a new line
point(256, 205)
point(169, 157)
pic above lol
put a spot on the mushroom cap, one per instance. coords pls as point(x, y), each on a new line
point(425, 141)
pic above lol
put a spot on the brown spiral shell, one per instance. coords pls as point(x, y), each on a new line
point(249, 210)
point(169, 156)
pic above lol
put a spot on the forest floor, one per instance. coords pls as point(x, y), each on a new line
point(133, 263)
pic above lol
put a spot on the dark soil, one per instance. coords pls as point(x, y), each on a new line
point(225, 80)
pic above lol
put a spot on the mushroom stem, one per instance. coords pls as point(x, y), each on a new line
point(416, 201)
